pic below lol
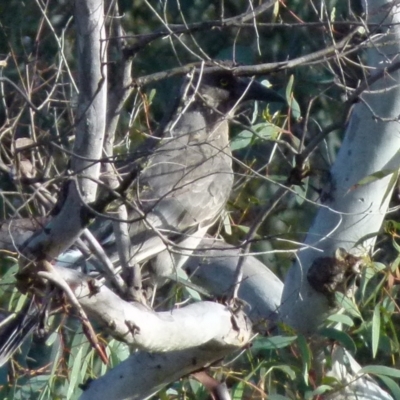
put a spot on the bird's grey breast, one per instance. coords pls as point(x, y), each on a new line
point(189, 177)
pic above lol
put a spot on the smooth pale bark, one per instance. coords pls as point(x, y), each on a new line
point(183, 340)
point(181, 328)
point(204, 333)
point(120, 88)
point(352, 212)
point(143, 374)
point(356, 384)
point(66, 227)
point(214, 269)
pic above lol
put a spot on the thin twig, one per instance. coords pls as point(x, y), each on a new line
point(261, 217)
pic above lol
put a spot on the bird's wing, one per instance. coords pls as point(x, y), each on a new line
point(183, 187)
point(186, 184)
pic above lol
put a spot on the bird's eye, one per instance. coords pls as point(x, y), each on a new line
point(224, 82)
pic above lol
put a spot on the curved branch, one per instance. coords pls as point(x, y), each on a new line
point(143, 328)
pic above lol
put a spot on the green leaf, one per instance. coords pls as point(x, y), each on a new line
point(241, 140)
point(378, 266)
point(390, 186)
point(246, 229)
point(301, 191)
point(289, 89)
point(305, 355)
point(56, 354)
point(262, 131)
point(376, 176)
point(395, 264)
point(119, 352)
point(287, 370)
point(333, 14)
point(367, 274)
point(348, 305)
point(273, 342)
point(380, 370)
point(267, 131)
point(74, 374)
point(341, 319)
point(277, 397)
point(295, 108)
point(391, 225)
point(391, 385)
point(275, 12)
point(388, 307)
point(339, 336)
point(196, 387)
point(318, 391)
point(294, 105)
point(330, 381)
point(395, 245)
point(366, 237)
point(151, 95)
point(33, 385)
point(193, 293)
point(227, 224)
point(376, 328)
point(237, 392)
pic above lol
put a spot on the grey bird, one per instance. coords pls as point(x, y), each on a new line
point(185, 183)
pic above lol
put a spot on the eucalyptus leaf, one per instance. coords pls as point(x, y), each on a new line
point(273, 342)
point(376, 327)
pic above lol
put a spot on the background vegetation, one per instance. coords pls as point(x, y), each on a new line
point(37, 54)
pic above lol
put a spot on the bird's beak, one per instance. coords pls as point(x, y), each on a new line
point(248, 89)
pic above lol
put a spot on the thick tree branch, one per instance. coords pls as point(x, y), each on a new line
point(143, 328)
point(66, 227)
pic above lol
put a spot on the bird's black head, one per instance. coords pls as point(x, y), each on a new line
point(222, 90)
